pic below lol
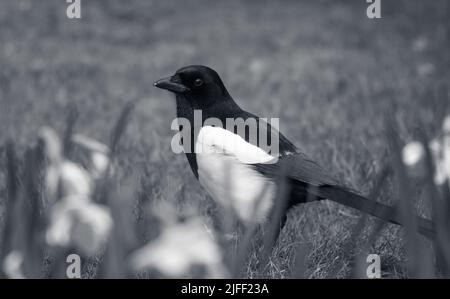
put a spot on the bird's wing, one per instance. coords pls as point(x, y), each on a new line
point(286, 147)
point(303, 171)
point(300, 168)
point(215, 140)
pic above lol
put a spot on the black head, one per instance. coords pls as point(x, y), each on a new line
point(196, 83)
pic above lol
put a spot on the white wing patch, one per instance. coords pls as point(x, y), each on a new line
point(221, 141)
point(223, 170)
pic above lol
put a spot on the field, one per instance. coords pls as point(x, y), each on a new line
point(327, 71)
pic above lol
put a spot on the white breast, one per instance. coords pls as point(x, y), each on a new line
point(224, 170)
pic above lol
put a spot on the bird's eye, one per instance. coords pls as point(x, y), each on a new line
point(198, 82)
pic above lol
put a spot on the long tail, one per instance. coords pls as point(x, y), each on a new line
point(384, 212)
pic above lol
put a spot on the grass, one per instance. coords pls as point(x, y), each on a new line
point(329, 73)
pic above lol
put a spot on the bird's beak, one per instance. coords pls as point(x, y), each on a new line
point(171, 84)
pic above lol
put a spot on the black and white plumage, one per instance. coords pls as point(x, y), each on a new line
point(223, 160)
point(237, 172)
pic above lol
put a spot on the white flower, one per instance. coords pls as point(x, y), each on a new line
point(440, 149)
point(90, 144)
point(63, 177)
point(446, 161)
point(412, 153)
point(446, 125)
point(52, 144)
point(67, 179)
point(178, 248)
point(91, 228)
point(74, 180)
point(12, 265)
point(98, 154)
point(74, 221)
point(60, 224)
point(52, 182)
point(100, 164)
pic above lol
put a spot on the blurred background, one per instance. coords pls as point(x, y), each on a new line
point(326, 70)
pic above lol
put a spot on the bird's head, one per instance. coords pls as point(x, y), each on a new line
point(198, 84)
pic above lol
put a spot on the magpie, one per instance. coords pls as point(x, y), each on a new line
point(238, 173)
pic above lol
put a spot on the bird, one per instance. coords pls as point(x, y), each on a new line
point(238, 173)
